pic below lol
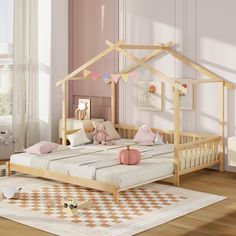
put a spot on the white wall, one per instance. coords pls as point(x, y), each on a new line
point(44, 54)
point(53, 59)
point(59, 59)
point(204, 31)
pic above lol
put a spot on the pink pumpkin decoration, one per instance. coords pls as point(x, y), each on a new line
point(129, 156)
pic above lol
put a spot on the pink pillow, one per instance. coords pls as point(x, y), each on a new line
point(144, 135)
point(42, 147)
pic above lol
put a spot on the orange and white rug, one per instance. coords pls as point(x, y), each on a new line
point(139, 209)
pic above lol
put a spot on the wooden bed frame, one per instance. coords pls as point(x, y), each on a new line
point(210, 148)
point(190, 144)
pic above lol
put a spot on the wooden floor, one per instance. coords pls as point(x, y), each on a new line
point(218, 219)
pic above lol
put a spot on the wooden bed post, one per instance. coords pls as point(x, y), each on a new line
point(115, 195)
point(176, 136)
point(222, 123)
point(64, 112)
point(113, 102)
point(8, 168)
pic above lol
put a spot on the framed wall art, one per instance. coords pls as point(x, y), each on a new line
point(150, 95)
point(186, 100)
point(84, 105)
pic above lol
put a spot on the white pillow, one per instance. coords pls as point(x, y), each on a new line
point(78, 138)
point(110, 130)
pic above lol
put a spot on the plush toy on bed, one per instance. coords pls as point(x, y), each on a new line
point(100, 135)
point(145, 136)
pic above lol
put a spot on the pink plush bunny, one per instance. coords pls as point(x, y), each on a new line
point(100, 134)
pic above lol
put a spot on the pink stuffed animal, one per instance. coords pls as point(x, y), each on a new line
point(100, 134)
point(144, 136)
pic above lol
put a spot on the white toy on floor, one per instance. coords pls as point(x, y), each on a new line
point(70, 206)
point(12, 192)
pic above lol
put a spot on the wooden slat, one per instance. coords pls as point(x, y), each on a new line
point(197, 81)
point(202, 141)
point(176, 135)
point(113, 102)
point(146, 47)
point(206, 165)
point(64, 112)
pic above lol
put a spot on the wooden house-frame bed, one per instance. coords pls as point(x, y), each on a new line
point(185, 144)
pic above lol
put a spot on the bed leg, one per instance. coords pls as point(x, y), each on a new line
point(116, 196)
point(8, 168)
point(176, 179)
point(221, 165)
point(176, 175)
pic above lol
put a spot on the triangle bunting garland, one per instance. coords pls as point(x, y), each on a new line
point(115, 77)
point(133, 75)
point(125, 77)
point(95, 75)
point(106, 77)
point(86, 74)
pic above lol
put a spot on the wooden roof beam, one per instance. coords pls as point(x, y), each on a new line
point(197, 67)
point(90, 62)
point(197, 81)
point(145, 47)
point(151, 69)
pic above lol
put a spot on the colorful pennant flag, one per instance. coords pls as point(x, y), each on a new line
point(86, 74)
point(95, 75)
point(115, 78)
point(133, 74)
point(105, 77)
point(125, 77)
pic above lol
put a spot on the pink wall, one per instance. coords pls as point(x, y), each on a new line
point(90, 24)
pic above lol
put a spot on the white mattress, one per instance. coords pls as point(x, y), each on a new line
point(122, 175)
point(131, 175)
point(23, 159)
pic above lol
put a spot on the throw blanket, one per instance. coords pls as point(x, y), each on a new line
point(87, 169)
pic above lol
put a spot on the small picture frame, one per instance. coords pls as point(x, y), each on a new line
point(186, 101)
point(87, 103)
point(150, 95)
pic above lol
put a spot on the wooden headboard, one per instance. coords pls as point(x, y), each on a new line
point(100, 106)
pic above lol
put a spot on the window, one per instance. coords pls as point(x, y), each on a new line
point(6, 59)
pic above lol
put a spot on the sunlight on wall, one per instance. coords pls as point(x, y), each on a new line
point(102, 17)
point(220, 52)
point(44, 43)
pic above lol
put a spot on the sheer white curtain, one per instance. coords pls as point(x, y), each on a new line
point(25, 74)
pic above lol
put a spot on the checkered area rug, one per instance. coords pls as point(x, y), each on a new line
point(104, 213)
point(139, 209)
